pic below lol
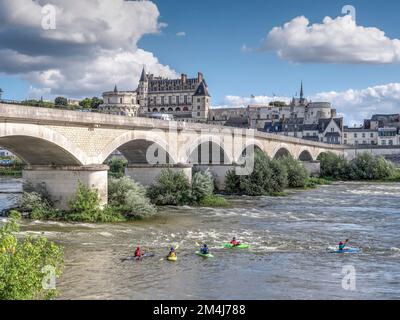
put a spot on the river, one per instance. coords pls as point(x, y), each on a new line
point(287, 259)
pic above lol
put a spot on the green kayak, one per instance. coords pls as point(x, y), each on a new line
point(209, 255)
point(240, 246)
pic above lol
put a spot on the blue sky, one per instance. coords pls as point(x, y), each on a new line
point(215, 32)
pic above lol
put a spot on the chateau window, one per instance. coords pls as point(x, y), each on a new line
point(120, 100)
point(355, 135)
point(198, 99)
point(363, 135)
point(345, 141)
point(332, 129)
point(372, 135)
point(178, 109)
point(198, 114)
point(198, 108)
point(345, 135)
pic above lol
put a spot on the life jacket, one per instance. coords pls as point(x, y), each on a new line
point(137, 253)
point(234, 243)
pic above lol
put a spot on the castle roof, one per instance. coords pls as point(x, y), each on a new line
point(202, 90)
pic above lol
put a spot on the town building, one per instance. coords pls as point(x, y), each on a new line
point(185, 99)
point(380, 130)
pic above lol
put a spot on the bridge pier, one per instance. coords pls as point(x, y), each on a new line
point(61, 182)
point(146, 174)
point(313, 168)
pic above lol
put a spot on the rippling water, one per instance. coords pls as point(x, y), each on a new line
point(287, 260)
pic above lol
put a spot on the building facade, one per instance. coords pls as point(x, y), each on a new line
point(380, 130)
point(182, 99)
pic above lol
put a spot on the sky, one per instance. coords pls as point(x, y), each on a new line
point(250, 52)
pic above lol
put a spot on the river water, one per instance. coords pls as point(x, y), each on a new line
point(287, 259)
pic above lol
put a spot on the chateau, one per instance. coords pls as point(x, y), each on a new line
point(184, 99)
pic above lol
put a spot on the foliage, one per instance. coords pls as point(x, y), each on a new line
point(334, 166)
point(61, 101)
point(202, 185)
point(91, 103)
point(268, 177)
point(364, 166)
point(368, 167)
point(171, 188)
point(129, 198)
point(213, 201)
point(296, 172)
point(86, 208)
point(22, 262)
point(117, 167)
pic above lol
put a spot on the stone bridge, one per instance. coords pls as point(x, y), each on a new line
point(61, 147)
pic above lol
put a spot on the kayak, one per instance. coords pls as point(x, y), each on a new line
point(146, 255)
point(172, 258)
point(240, 246)
point(347, 250)
point(208, 255)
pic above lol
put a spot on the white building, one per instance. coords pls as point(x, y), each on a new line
point(121, 103)
point(184, 99)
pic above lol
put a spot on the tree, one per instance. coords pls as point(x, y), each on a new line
point(171, 188)
point(61, 101)
point(296, 172)
point(202, 185)
point(96, 102)
point(23, 263)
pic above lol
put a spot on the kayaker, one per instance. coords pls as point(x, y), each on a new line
point(342, 245)
point(172, 253)
point(234, 242)
point(204, 250)
point(137, 252)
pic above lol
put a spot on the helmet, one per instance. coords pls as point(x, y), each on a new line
point(205, 246)
point(172, 249)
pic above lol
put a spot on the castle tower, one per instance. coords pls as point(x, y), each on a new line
point(143, 89)
point(201, 101)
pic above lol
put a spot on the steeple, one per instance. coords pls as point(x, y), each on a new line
point(143, 77)
point(301, 92)
point(115, 88)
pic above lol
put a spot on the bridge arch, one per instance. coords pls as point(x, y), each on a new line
point(215, 148)
point(134, 146)
point(281, 152)
point(305, 156)
point(39, 145)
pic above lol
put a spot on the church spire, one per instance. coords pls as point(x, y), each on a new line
point(115, 88)
point(301, 92)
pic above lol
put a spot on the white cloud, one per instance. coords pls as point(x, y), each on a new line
point(93, 47)
point(357, 105)
point(353, 105)
point(181, 34)
point(338, 40)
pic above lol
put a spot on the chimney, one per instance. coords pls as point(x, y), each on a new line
point(183, 78)
point(199, 77)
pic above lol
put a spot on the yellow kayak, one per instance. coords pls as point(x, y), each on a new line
point(172, 258)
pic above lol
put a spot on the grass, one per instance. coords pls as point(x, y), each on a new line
point(214, 201)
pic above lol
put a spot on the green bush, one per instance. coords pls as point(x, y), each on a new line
point(296, 172)
point(86, 208)
point(334, 166)
point(129, 198)
point(268, 177)
point(171, 188)
point(117, 167)
point(368, 167)
point(232, 182)
point(213, 201)
point(22, 262)
point(202, 185)
point(364, 166)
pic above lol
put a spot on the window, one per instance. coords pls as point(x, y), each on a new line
point(391, 142)
point(363, 135)
point(384, 142)
point(198, 99)
point(345, 141)
point(372, 135)
point(332, 129)
point(120, 100)
point(345, 135)
point(198, 114)
point(355, 135)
